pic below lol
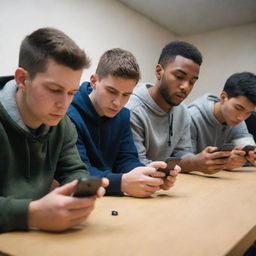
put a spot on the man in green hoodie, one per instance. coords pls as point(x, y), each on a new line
point(38, 140)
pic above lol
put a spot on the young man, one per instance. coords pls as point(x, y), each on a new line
point(220, 120)
point(251, 124)
point(105, 140)
point(38, 140)
point(160, 122)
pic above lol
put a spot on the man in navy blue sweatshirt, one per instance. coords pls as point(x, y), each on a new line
point(105, 141)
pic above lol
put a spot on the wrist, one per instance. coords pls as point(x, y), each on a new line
point(32, 213)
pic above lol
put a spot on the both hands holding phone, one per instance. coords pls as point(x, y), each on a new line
point(238, 155)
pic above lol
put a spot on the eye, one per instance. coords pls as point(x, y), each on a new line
point(54, 90)
point(111, 91)
point(72, 93)
point(179, 77)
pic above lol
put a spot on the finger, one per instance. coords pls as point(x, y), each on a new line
point(151, 189)
point(148, 170)
point(158, 174)
point(210, 149)
point(101, 192)
point(80, 213)
point(78, 221)
point(157, 164)
point(66, 189)
point(167, 186)
point(170, 179)
point(177, 168)
point(105, 182)
point(79, 202)
point(152, 181)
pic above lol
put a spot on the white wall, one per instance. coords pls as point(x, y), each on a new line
point(225, 52)
point(96, 25)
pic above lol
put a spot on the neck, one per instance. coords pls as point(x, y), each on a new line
point(25, 112)
point(217, 112)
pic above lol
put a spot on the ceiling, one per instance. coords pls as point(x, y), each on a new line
point(186, 17)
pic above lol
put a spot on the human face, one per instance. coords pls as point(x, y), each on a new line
point(110, 94)
point(176, 81)
point(45, 98)
point(234, 110)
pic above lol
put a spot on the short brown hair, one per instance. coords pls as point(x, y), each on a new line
point(50, 43)
point(119, 63)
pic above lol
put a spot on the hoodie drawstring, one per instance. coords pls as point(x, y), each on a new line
point(170, 130)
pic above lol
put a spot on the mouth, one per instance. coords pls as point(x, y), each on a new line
point(181, 95)
point(56, 115)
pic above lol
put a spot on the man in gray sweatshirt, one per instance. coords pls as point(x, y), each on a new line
point(220, 120)
point(160, 122)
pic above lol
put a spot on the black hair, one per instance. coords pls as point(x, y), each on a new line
point(241, 84)
point(182, 48)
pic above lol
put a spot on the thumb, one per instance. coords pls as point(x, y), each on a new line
point(66, 189)
point(157, 164)
point(210, 149)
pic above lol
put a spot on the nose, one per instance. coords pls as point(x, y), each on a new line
point(185, 86)
point(117, 101)
point(242, 116)
point(64, 101)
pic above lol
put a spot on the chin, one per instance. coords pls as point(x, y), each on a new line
point(52, 122)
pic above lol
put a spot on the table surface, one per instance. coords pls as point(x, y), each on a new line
point(201, 215)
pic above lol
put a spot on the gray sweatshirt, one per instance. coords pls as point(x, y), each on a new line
point(206, 130)
point(158, 134)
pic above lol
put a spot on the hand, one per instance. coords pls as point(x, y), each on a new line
point(58, 211)
point(209, 162)
point(171, 178)
point(143, 181)
point(236, 160)
point(251, 157)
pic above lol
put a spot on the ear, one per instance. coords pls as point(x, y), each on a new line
point(21, 77)
point(223, 97)
point(158, 71)
point(93, 79)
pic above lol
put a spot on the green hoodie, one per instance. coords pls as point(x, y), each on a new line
point(29, 163)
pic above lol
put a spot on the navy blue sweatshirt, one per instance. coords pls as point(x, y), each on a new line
point(105, 144)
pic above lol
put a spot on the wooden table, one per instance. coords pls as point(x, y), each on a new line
point(202, 215)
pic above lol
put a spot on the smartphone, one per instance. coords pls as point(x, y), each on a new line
point(171, 162)
point(87, 186)
point(224, 147)
point(248, 148)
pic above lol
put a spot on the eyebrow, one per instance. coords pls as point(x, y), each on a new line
point(114, 89)
point(184, 73)
point(60, 86)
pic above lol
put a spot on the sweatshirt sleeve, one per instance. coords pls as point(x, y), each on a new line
point(13, 214)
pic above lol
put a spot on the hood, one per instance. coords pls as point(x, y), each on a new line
point(141, 92)
point(8, 89)
point(205, 105)
point(84, 105)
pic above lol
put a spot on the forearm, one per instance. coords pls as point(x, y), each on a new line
point(189, 165)
point(13, 214)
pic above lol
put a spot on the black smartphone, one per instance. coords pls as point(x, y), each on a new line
point(87, 186)
point(171, 162)
point(224, 147)
point(248, 148)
